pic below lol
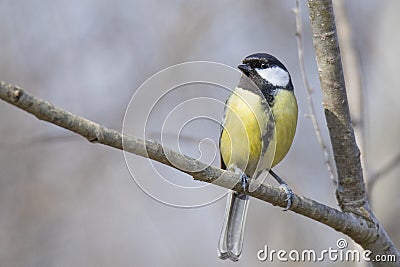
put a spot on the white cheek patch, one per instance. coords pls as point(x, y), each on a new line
point(275, 76)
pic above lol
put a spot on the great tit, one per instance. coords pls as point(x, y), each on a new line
point(258, 128)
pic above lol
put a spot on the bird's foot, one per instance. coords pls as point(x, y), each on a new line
point(245, 181)
point(283, 185)
point(289, 195)
point(243, 178)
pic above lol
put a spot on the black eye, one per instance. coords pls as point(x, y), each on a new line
point(263, 66)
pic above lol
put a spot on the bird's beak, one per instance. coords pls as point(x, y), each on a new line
point(246, 69)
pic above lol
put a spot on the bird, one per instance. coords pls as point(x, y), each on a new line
point(258, 128)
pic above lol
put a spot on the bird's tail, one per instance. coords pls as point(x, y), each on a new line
point(231, 239)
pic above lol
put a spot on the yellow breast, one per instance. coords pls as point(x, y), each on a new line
point(285, 114)
point(245, 124)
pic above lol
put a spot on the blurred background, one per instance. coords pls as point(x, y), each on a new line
point(66, 202)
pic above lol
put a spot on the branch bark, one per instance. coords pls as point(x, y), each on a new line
point(350, 191)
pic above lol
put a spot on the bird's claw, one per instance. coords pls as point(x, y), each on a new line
point(289, 195)
point(245, 181)
point(243, 177)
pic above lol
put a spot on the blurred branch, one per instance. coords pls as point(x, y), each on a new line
point(358, 228)
point(350, 191)
point(37, 140)
point(395, 162)
point(309, 92)
point(352, 75)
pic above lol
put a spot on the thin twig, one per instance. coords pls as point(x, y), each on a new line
point(309, 92)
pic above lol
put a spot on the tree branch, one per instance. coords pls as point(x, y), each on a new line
point(350, 191)
point(359, 229)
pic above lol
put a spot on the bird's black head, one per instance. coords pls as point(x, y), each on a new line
point(261, 61)
point(267, 72)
